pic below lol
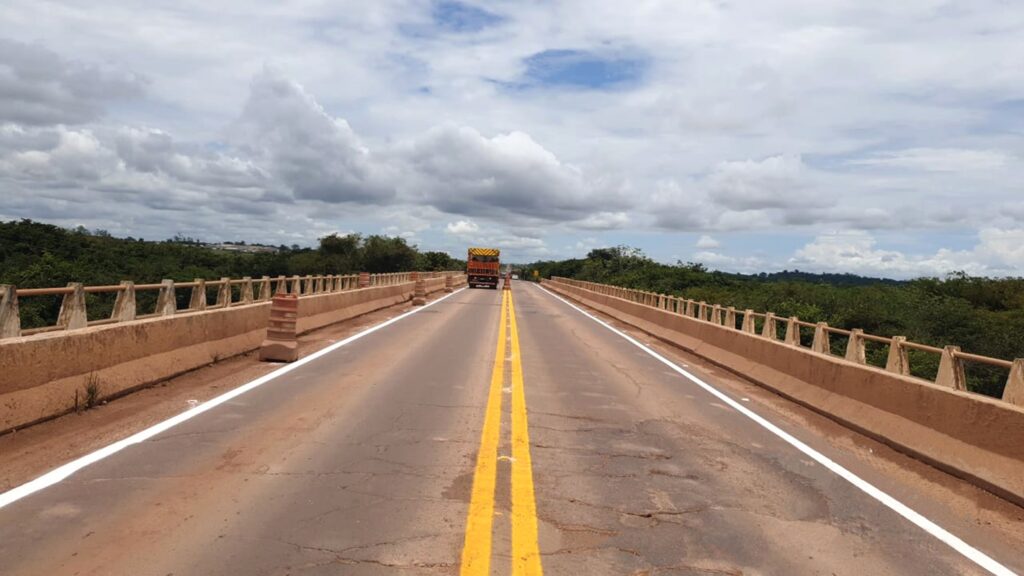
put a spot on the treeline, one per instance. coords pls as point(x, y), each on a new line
point(36, 255)
point(981, 315)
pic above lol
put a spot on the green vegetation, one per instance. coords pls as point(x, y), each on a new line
point(981, 315)
point(36, 255)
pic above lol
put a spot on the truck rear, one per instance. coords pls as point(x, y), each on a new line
point(482, 267)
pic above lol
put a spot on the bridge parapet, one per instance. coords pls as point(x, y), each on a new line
point(970, 435)
point(166, 298)
point(951, 372)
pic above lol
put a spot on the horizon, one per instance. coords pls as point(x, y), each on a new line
point(879, 141)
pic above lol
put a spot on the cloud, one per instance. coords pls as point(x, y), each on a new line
point(460, 171)
point(938, 159)
point(707, 242)
point(997, 252)
point(462, 227)
point(39, 88)
point(603, 221)
point(317, 156)
point(775, 182)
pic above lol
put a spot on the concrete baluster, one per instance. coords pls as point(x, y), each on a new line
point(1014, 390)
point(748, 325)
point(793, 331)
point(730, 318)
point(770, 329)
point(898, 361)
point(295, 286)
point(821, 343)
point(198, 299)
point(224, 293)
point(72, 309)
point(246, 296)
point(702, 310)
point(689, 308)
point(264, 292)
point(124, 303)
point(364, 279)
point(716, 314)
point(308, 284)
point(661, 301)
point(282, 286)
point(951, 370)
point(855, 348)
point(166, 304)
point(10, 320)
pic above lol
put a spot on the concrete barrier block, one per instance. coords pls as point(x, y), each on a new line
point(770, 329)
point(124, 303)
point(10, 319)
point(198, 299)
point(898, 361)
point(951, 370)
point(855, 348)
point(1014, 390)
point(821, 343)
point(72, 314)
point(166, 303)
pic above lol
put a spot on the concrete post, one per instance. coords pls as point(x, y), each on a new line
point(10, 320)
point(166, 305)
point(661, 301)
point(448, 283)
point(1014, 390)
point(689, 308)
point(246, 296)
point(898, 361)
point(224, 293)
point(281, 344)
point(702, 308)
point(855, 350)
point(951, 370)
point(770, 329)
point(295, 285)
point(72, 309)
point(124, 304)
point(419, 293)
point(198, 299)
point(730, 318)
point(364, 279)
point(821, 343)
point(264, 291)
point(716, 314)
point(792, 331)
point(282, 286)
point(308, 285)
point(748, 325)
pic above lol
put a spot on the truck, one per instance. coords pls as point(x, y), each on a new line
point(482, 266)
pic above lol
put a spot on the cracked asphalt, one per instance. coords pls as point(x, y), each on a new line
point(362, 462)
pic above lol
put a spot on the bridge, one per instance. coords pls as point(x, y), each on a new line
point(562, 428)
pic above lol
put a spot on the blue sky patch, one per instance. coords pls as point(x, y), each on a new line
point(575, 68)
point(459, 17)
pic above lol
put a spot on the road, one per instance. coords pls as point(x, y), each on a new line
point(485, 435)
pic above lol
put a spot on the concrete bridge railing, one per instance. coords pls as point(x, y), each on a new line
point(794, 332)
point(975, 437)
point(45, 371)
point(230, 292)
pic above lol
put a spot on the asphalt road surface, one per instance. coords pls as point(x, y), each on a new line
point(484, 434)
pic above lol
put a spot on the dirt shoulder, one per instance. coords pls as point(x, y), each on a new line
point(30, 452)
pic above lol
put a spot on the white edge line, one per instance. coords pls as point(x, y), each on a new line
point(62, 472)
point(965, 549)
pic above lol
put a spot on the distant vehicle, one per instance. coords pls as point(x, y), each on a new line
point(515, 276)
point(482, 266)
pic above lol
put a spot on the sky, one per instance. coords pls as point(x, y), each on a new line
point(876, 138)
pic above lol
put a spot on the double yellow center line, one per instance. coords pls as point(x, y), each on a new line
point(477, 549)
